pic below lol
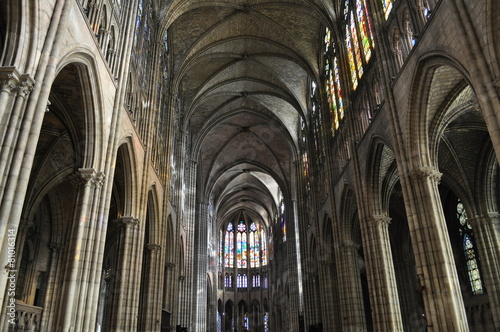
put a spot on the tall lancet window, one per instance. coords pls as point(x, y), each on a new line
point(469, 250)
point(229, 246)
point(263, 246)
point(283, 218)
point(241, 245)
point(333, 88)
point(254, 246)
point(358, 38)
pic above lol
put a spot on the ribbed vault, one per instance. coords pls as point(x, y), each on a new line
point(242, 70)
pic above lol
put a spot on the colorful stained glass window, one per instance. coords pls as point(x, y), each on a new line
point(283, 218)
point(266, 322)
point(254, 246)
point(241, 245)
point(333, 88)
point(316, 121)
point(256, 281)
point(229, 246)
point(221, 249)
point(359, 38)
point(263, 240)
point(469, 251)
point(387, 4)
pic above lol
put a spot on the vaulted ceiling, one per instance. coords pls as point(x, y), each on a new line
point(242, 70)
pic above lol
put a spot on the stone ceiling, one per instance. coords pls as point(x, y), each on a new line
point(242, 70)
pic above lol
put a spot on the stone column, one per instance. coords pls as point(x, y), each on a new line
point(351, 292)
point(487, 237)
point(121, 321)
point(153, 296)
point(51, 303)
point(441, 292)
point(200, 268)
point(81, 249)
point(384, 298)
point(328, 296)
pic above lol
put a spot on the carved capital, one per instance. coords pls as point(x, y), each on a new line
point(170, 265)
point(26, 85)
point(129, 221)
point(153, 247)
point(349, 245)
point(379, 220)
point(55, 247)
point(427, 172)
point(182, 277)
point(9, 79)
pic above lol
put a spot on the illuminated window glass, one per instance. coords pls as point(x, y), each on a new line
point(387, 4)
point(241, 245)
point(283, 218)
point(221, 249)
point(316, 123)
point(266, 322)
point(254, 246)
point(333, 88)
point(229, 246)
point(358, 38)
point(263, 252)
point(469, 251)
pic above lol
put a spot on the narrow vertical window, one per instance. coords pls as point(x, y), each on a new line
point(229, 246)
point(241, 245)
point(387, 4)
point(283, 218)
point(263, 246)
point(254, 246)
point(469, 251)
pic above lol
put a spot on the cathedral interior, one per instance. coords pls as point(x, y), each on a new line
point(250, 165)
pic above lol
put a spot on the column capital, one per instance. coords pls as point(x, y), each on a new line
point(153, 247)
point(55, 247)
point(169, 265)
point(128, 221)
point(379, 220)
point(349, 245)
point(9, 78)
point(489, 218)
point(182, 277)
point(25, 86)
point(426, 172)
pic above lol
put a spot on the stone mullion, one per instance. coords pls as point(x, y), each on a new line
point(200, 268)
point(327, 295)
point(351, 293)
point(50, 308)
point(487, 238)
point(384, 298)
point(120, 320)
point(435, 262)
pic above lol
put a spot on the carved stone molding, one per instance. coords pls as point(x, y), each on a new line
point(379, 220)
point(9, 79)
point(128, 221)
point(153, 247)
point(182, 277)
point(427, 172)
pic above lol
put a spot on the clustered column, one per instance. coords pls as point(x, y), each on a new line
point(443, 301)
point(383, 290)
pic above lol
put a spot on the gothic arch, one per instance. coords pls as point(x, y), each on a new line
point(493, 34)
point(89, 117)
point(437, 78)
point(125, 178)
point(381, 162)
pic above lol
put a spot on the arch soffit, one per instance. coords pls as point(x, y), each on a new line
point(90, 81)
point(426, 98)
point(131, 207)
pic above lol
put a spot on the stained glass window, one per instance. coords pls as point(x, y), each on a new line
point(387, 4)
point(469, 251)
point(229, 246)
point(283, 218)
point(219, 322)
point(254, 246)
point(266, 322)
point(263, 246)
point(228, 280)
point(241, 281)
point(221, 249)
point(241, 245)
point(316, 121)
point(256, 280)
point(359, 38)
point(333, 88)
